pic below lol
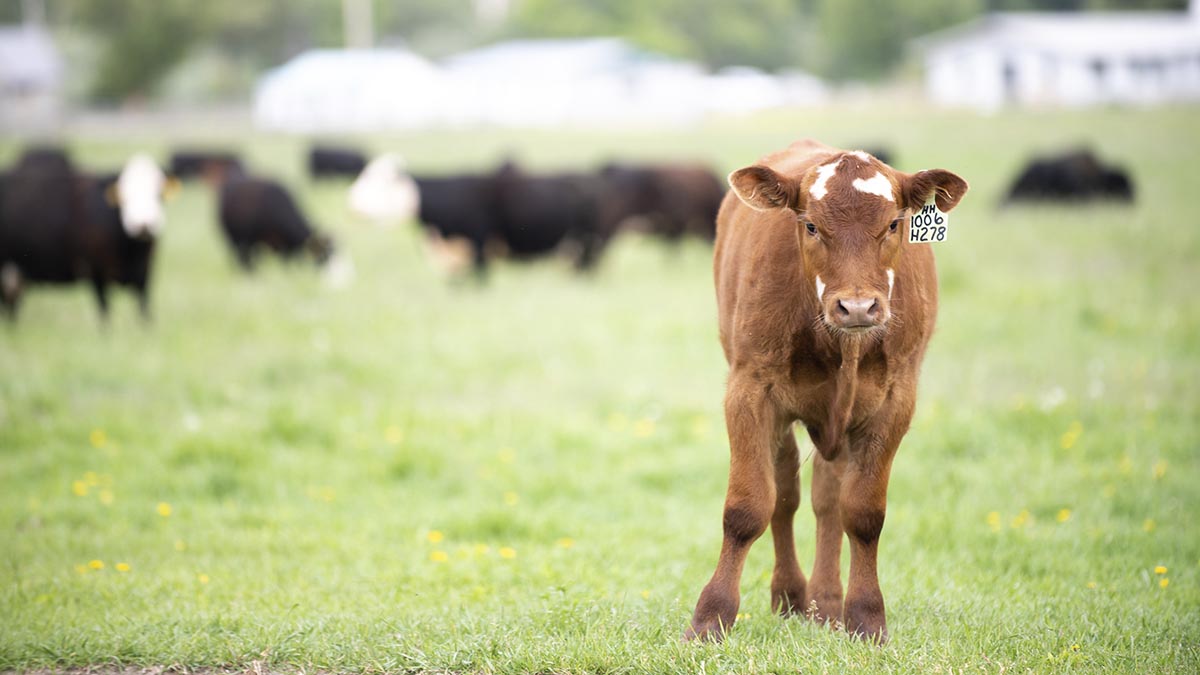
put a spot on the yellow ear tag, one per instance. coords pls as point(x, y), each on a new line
point(929, 225)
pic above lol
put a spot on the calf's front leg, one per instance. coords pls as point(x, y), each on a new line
point(754, 430)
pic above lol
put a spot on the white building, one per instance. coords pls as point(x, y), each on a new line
point(31, 78)
point(1065, 59)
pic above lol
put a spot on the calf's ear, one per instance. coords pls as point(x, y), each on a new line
point(763, 189)
point(945, 187)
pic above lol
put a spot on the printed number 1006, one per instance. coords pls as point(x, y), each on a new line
point(927, 226)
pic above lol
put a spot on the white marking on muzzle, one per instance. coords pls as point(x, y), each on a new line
point(875, 185)
point(820, 288)
point(824, 173)
point(891, 281)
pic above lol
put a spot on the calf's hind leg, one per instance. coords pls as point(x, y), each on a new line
point(787, 581)
point(754, 430)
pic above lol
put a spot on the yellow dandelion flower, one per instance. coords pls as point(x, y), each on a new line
point(507, 455)
point(1163, 582)
point(1021, 519)
point(643, 428)
point(1074, 648)
point(439, 556)
point(180, 545)
point(508, 552)
point(1063, 515)
point(511, 498)
point(645, 594)
point(1160, 469)
point(565, 542)
point(1126, 465)
point(1160, 570)
point(91, 478)
point(1092, 584)
point(96, 564)
point(1149, 525)
point(435, 536)
point(202, 578)
point(743, 615)
point(106, 497)
point(98, 438)
point(79, 487)
point(164, 509)
point(394, 435)
point(993, 520)
point(122, 567)
point(482, 549)
point(1071, 435)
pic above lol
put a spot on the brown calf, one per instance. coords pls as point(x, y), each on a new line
point(825, 312)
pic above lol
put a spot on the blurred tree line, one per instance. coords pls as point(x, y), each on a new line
point(140, 42)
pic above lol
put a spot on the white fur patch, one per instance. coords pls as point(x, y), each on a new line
point(861, 155)
point(384, 192)
point(875, 185)
point(824, 173)
point(820, 288)
point(891, 281)
point(140, 196)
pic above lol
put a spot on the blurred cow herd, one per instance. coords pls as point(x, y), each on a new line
point(60, 224)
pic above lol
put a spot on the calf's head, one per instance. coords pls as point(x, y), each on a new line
point(851, 215)
point(139, 193)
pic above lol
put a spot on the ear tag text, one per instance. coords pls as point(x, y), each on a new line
point(929, 225)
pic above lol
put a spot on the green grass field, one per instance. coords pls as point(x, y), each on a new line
point(415, 476)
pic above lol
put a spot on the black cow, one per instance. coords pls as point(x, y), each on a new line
point(465, 207)
point(670, 201)
point(207, 164)
point(540, 212)
point(1073, 176)
point(59, 226)
point(258, 213)
point(329, 161)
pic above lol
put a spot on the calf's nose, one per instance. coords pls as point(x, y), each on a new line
point(856, 312)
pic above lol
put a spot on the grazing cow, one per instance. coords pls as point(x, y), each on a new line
point(384, 192)
point(330, 162)
point(258, 213)
point(203, 164)
point(1071, 177)
point(825, 311)
point(671, 200)
point(538, 213)
point(460, 208)
point(59, 226)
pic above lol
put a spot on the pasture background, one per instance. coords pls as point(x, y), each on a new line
point(563, 436)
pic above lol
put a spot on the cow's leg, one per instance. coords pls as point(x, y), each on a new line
point(245, 257)
point(824, 601)
point(101, 291)
point(863, 503)
point(143, 296)
point(10, 289)
point(787, 581)
point(754, 431)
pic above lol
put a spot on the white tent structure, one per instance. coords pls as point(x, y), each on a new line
point(350, 90)
point(1065, 59)
point(519, 83)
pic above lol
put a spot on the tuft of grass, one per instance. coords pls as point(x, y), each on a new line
point(564, 437)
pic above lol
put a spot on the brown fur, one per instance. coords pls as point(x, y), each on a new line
point(796, 357)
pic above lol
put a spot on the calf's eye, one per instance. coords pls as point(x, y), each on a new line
point(812, 229)
point(895, 224)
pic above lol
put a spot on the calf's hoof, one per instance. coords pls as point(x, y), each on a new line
point(824, 608)
point(788, 600)
point(714, 615)
point(866, 621)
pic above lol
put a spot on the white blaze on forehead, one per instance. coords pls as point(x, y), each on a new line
point(139, 195)
point(891, 281)
point(819, 188)
point(875, 185)
point(861, 155)
point(820, 288)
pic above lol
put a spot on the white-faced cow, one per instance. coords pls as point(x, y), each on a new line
point(58, 225)
point(825, 311)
